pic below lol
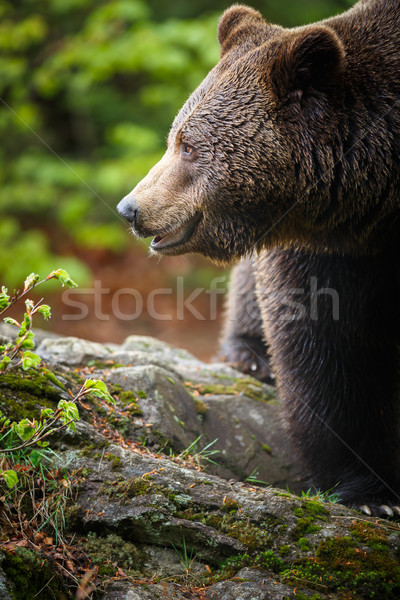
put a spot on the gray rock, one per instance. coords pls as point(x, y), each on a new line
point(71, 351)
point(251, 439)
point(158, 349)
point(169, 356)
point(167, 405)
point(122, 590)
point(248, 433)
point(251, 584)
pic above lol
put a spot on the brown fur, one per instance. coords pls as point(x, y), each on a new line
point(290, 147)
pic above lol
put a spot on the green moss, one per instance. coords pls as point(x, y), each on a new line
point(129, 399)
point(284, 550)
point(33, 577)
point(304, 544)
point(199, 406)
point(230, 505)
point(101, 364)
point(115, 388)
point(86, 472)
point(125, 490)
point(109, 553)
point(370, 574)
point(229, 567)
point(266, 560)
point(116, 462)
point(136, 486)
point(249, 387)
point(303, 527)
point(369, 534)
point(25, 393)
point(283, 494)
point(266, 448)
point(297, 511)
point(255, 537)
point(270, 561)
point(315, 508)
point(341, 566)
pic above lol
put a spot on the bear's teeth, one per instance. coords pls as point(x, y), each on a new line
point(177, 236)
point(172, 237)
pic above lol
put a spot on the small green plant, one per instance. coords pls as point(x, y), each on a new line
point(188, 562)
point(35, 491)
point(39, 495)
point(314, 494)
point(185, 559)
point(18, 352)
point(195, 456)
point(253, 479)
point(33, 432)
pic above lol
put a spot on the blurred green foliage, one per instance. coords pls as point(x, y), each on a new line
point(88, 90)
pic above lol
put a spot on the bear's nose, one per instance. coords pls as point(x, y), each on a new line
point(129, 209)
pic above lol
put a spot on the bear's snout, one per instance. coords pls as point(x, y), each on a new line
point(129, 209)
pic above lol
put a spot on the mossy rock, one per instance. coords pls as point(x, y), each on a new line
point(249, 387)
point(32, 576)
point(25, 393)
point(110, 552)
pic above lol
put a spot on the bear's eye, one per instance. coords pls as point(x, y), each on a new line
point(187, 150)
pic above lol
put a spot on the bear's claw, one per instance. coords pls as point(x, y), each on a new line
point(380, 510)
point(248, 357)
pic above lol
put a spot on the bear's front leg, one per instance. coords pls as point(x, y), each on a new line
point(242, 342)
point(333, 331)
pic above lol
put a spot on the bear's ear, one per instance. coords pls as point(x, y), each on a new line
point(310, 61)
point(237, 25)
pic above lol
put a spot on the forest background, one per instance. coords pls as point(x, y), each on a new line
point(88, 90)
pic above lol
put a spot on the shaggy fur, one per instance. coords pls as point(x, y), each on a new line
point(289, 151)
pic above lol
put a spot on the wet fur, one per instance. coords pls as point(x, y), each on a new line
point(297, 142)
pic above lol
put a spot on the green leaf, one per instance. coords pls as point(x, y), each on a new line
point(43, 444)
point(45, 310)
point(4, 298)
point(29, 360)
point(25, 429)
point(69, 411)
point(63, 277)
point(30, 281)
point(11, 321)
point(29, 305)
point(46, 413)
point(28, 341)
point(4, 422)
point(99, 389)
point(10, 477)
point(4, 362)
point(71, 427)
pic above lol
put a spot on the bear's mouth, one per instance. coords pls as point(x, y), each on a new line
point(176, 237)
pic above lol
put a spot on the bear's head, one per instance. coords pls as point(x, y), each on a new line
point(239, 170)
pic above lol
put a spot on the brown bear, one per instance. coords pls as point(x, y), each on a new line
point(287, 156)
